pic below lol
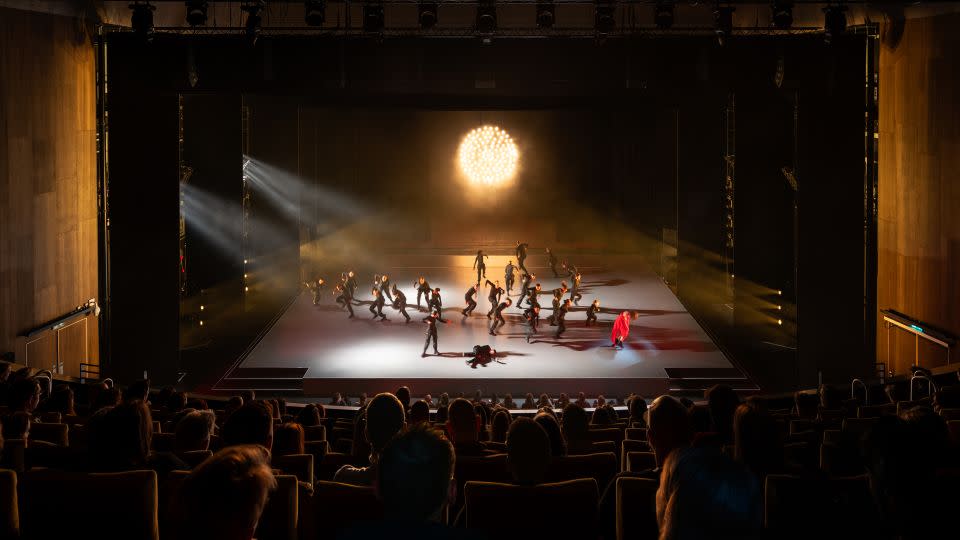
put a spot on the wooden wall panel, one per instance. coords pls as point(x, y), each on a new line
point(919, 200)
point(48, 183)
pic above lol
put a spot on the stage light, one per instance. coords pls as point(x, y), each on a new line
point(196, 12)
point(141, 20)
point(604, 21)
point(782, 13)
point(254, 20)
point(315, 12)
point(201, 323)
point(244, 276)
point(428, 14)
point(723, 23)
point(780, 322)
point(373, 17)
point(663, 14)
point(834, 22)
point(488, 156)
point(246, 289)
point(201, 308)
point(779, 308)
point(486, 17)
point(545, 14)
point(779, 293)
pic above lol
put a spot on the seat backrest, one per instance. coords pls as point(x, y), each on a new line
point(164, 442)
point(876, 411)
point(13, 456)
point(601, 467)
point(195, 457)
point(607, 434)
point(9, 513)
point(841, 459)
point(491, 468)
point(299, 465)
point(52, 433)
point(315, 433)
point(636, 434)
point(637, 509)
point(73, 419)
point(332, 461)
point(641, 461)
point(630, 445)
point(280, 517)
point(563, 508)
point(604, 446)
point(335, 506)
point(855, 428)
point(95, 505)
point(51, 417)
point(797, 505)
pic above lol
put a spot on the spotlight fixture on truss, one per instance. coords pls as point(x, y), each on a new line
point(196, 12)
point(373, 18)
point(486, 17)
point(427, 14)
point(546, 14)
point(141, 19)
point(723, 22)
point(781, 12)
point(315, 12)
point(663, 14)
point(604, 21)
point(834, 22)
point(254, 19)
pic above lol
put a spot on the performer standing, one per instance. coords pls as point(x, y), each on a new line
point(561, 318)
point(575, 291)
point(532, 315)
point(621, 329)
point(498, 319)
point(344, 298)
point(352, 284)
point(592, 312)
point(557, 300)
point(479, 265)
point(431, 321)
point(508, 276)
point(377, 306)
point(385, 287)
point(422, 288)
point(552, 261)
point(493, 296)
point(471, 303)
point(436, 304)
point(525, 285)
point(522, 255)
point(400, 302)
point(533, 295)
point(316, 287)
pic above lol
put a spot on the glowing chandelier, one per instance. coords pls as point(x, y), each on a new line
point(488, 156)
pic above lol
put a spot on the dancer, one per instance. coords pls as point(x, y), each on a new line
point(352, 284)
point(493, 296)
point(316, 287)
point(532, 316)
point(436, 304)
point(557, 300)
point(482, 355)
point(552, 261)
point(621, 329)
point(400, 302)
point(471, 303)
point(533, 295)
point(479, 265)
point(508, 276)
point(431, 321)
point(385, 287)
point(522, 255)
point(525, 285)
point(498, 319)
point(561, 318)
point(344, 298)
point(592, 312)
point(575, 291)
point(377, 306)
point(422, 288)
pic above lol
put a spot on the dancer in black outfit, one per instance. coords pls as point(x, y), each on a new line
point(471, 303)
point(431, 321)
point(316, 287)
point(479, 265)
point(557, 300)
point(493, 296)
point(344, 298)
point(592, 312)
point(525, 285)
point(498, 319)
point(385, 287)
point(533, 295)
point(575, 291)
point(436, 304)
point(522, 255)
point(508, 276)
point(532, 316)
point(400, 302)
point(377, 306)
point(552, 261)
point(352, 284)
point(422, 288)
point(561, 318)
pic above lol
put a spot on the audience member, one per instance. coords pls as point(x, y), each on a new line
point(24, 395)
point(309, 416)
point(757, 442)
point(558, 447)
point(428, 399)
point(250, 424)
point(233, 404)
point(576, 430)
point(419, 412)
point(362, 402)
point(528, 452)
point(463, 429)
point(562, 401)
point(176, 402)
point(722, 401)
point(528, 402)
point(138, 390)
point(249, 396)
point(442, 414)
point(638, 411)
point(403, 395)
point(477, 397)
point(499, 425)
point(384, 419)
point(163, 396)
point(60, 401)
point(806, 405)
point(337, 400)
point(119, 439)
point(444, 400)
point(194, 430)
point(508, 402)
point(288, 439)
point(494, 400)
point(600, 401)
point(601, 416)
point(544, 401)
point(224, 496)
point(582, 400)
point(105, 398)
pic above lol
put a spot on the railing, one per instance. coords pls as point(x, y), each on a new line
point(919, 375)
point(866, 393)
point(86, 370)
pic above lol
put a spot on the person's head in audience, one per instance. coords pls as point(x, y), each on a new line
point(138, 390)
point(119, 437)
point(249, 396)
point(600, 401)
point(24, 395)
point(198, 404)
point(805, 404)
point(699, 418)
point(362, 402)
point(193, 431)
point(108, 397)
point(757, 442)
point(403, 394)
point(508, 402)
point(176, 402)
point(60, 400)
point(250, 424)
point(275, 408)
point(562, 401)
point(482, 415)
point(668, 427)
point(928, 431)
point(163, 396)
point(478, 397)
point(544, 401)
point(494, 399)
point(528, 451)
point(462, 422)
point(444, 399)
point(309, 416)
point(638, 410)
point(234, 403)
point(576, 427)
point(581, 399)
point(550, 411)
point(415, 476)
point(17, 425)
point(442, 413)
point(419, 412)
point(288, 439)
point(224, 496)
point(600, 416)
point(428, 399)
point(528, 402)
point(385, 418)
point(558, 446)
point(705, 494)
point(499, 425)
point(722, 401)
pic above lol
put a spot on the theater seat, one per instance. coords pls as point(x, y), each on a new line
point(299, 465)
point(601, 467)
point(840, 459)
point(315, 433)
point(636, 434)
point(55, 504)
point(9, 513)
point(876, 411)
point(335, 506)
point(51, 418)
point(13, 456)
point(606, 434)
point(630, 445)
point(565, 508)
point(164, 442)
point(600, 447)
point(491, 468)
point(818, 507)
point(637, 509)
point(854, 429)
point(195, 457)
point(51, 433)
point(641, 461)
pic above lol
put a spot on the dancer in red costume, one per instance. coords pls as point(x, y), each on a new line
point(621, 329)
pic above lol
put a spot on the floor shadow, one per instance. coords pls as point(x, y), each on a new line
point(644, 338)
point(615, 282)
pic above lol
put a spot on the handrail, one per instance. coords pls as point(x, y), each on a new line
point(59, 321)
point(866, 394)
point(931, 386)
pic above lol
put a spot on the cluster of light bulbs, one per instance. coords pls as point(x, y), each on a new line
point(488, 156)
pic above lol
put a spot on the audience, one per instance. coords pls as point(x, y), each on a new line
point(582, 400)
point(757, 443)
point(288, 439)
point(250, 424)
point(638, 411)
point(24, 395)
point(419, 412)
point(119, 439)
point(576, 430)
point(528, 452)
point(17, 426)
point(105, 398)
point(60, 401)
point(310, 415)
point(139, 390)
point(403, 394)
point(528, 402)
point(384, 419)
point(806, 405)
point(194, 430)
point(463, 427)
point(722, 402)
point(176, 402)
point(508, 402)
point(547, 421)
point(499, 425)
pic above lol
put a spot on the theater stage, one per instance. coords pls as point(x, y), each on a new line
point(324, 350)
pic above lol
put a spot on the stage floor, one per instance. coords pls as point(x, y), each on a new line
point(335, 353)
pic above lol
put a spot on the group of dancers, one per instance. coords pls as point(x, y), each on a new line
point(529, 290)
